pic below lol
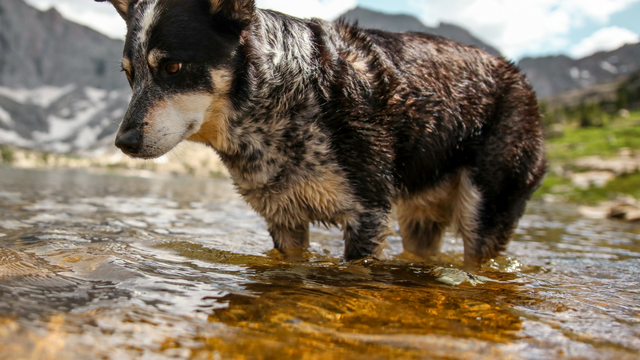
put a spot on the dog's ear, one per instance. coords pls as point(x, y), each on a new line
point(241, 11)
point(122, 6)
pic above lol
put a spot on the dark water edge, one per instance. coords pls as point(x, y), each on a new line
point(96, 265)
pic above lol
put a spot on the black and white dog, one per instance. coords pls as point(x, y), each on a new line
point(325, 122)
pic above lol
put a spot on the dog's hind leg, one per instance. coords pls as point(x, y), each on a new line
point(467, 201)
point(508, 168)
point(287, 237)
point(421, 231)
point(424, 217)
point(504, 199)
point(498, 216)
point(422, 237)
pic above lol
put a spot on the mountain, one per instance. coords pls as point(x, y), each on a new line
point(42, 48)
point(60, 87)
point(552, 75)
point(549, 76)
point(404, 23)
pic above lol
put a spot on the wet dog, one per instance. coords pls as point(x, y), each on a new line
point(326, 122)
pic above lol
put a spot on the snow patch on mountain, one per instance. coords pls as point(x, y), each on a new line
point(61, 128)
point(42, 96)
point(5, 117)
point(11, 137)
point(61, 119)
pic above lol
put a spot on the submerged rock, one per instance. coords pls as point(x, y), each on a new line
point(451, 276)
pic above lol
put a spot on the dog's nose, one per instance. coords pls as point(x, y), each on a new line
point(130, 142)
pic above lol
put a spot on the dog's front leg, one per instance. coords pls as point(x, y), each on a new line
point(367, 236)
point(287, 237)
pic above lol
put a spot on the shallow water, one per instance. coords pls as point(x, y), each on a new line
point(115, 267)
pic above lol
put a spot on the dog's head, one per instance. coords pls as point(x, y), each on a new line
point(179, 57)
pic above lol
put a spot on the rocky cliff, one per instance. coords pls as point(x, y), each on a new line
point(552, 75)
point(60, 87)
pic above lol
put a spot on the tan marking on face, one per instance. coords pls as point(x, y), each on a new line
point(214, 130)
point(155, 56)
point(126, 64)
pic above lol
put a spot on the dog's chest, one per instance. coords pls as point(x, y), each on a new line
point(324, 196)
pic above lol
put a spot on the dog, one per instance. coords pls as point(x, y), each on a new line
point(321, 122)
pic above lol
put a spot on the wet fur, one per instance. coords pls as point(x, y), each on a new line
point(327, 122)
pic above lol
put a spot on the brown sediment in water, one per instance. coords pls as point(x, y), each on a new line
point(383, 310)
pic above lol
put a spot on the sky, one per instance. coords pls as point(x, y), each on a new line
point(518, 28)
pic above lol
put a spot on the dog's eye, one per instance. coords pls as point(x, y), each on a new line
point(172, 68)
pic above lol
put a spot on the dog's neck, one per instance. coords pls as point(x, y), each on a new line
point(279, 96)
point(279, 52)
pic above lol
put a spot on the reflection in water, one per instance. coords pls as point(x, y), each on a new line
point(97, 265)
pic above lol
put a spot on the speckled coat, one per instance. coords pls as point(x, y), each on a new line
point(326, 122)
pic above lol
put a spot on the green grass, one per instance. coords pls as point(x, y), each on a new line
point(551, 182)
point(605, 141)
point(560, 186)
point(621, 185)
point(6, 155)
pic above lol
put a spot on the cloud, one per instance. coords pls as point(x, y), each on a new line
point(518, 28)
point(102, 16)
point(99, 16)
point(605, 39)
point(324, 9)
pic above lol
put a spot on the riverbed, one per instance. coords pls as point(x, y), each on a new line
point(106, 266)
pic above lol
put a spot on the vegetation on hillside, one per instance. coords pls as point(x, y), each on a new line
point(629, 93)
point(602, 128)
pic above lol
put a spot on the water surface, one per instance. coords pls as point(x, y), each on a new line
point(116, 267)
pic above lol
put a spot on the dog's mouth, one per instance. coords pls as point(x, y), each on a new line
point(142, 157)
point(149, 146)
point(140, 154)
